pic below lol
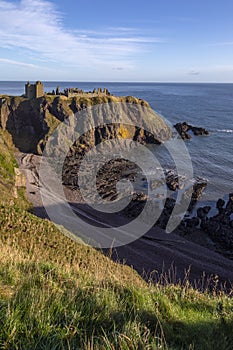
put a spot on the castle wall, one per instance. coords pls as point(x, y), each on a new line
point(30, 91)
point(39, 90)
point(34, 90)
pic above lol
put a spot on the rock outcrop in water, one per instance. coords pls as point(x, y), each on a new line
point(31, 121)
point(183, 128)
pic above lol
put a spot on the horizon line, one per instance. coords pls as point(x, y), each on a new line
point(122, 82)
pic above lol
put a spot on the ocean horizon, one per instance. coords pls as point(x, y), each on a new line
point(16, 87)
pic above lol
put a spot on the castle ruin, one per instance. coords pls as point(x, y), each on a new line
point(34, 90)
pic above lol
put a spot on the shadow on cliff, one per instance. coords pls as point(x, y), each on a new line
point(26, 124)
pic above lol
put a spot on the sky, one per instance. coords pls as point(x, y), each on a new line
point(124, 40)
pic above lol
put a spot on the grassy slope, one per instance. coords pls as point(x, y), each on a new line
point(7, 163)
point(57, 294)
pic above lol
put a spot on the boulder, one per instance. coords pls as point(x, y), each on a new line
point(172, 180)
point(182, 129)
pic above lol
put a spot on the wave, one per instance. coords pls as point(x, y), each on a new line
point(225, 130)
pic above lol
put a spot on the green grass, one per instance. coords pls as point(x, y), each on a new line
point(58, 294)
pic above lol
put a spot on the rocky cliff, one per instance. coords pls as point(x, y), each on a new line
point(31, 121)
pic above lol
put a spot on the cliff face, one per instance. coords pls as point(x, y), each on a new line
point(31, 121)
point(24, 120)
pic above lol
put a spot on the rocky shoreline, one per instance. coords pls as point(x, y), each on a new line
point(152, 254)
point(218, 227)
point(214, 232)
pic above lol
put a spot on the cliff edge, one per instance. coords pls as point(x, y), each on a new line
point(31, 121)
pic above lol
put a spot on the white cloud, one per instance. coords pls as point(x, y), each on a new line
point(36, 27)
point(137, 40)
point(18, 63)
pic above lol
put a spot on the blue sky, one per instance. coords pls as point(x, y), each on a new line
point(99, 40)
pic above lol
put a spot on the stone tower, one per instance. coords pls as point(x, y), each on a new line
point(34, 90)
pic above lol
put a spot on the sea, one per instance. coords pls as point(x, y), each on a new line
point(205, 105)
